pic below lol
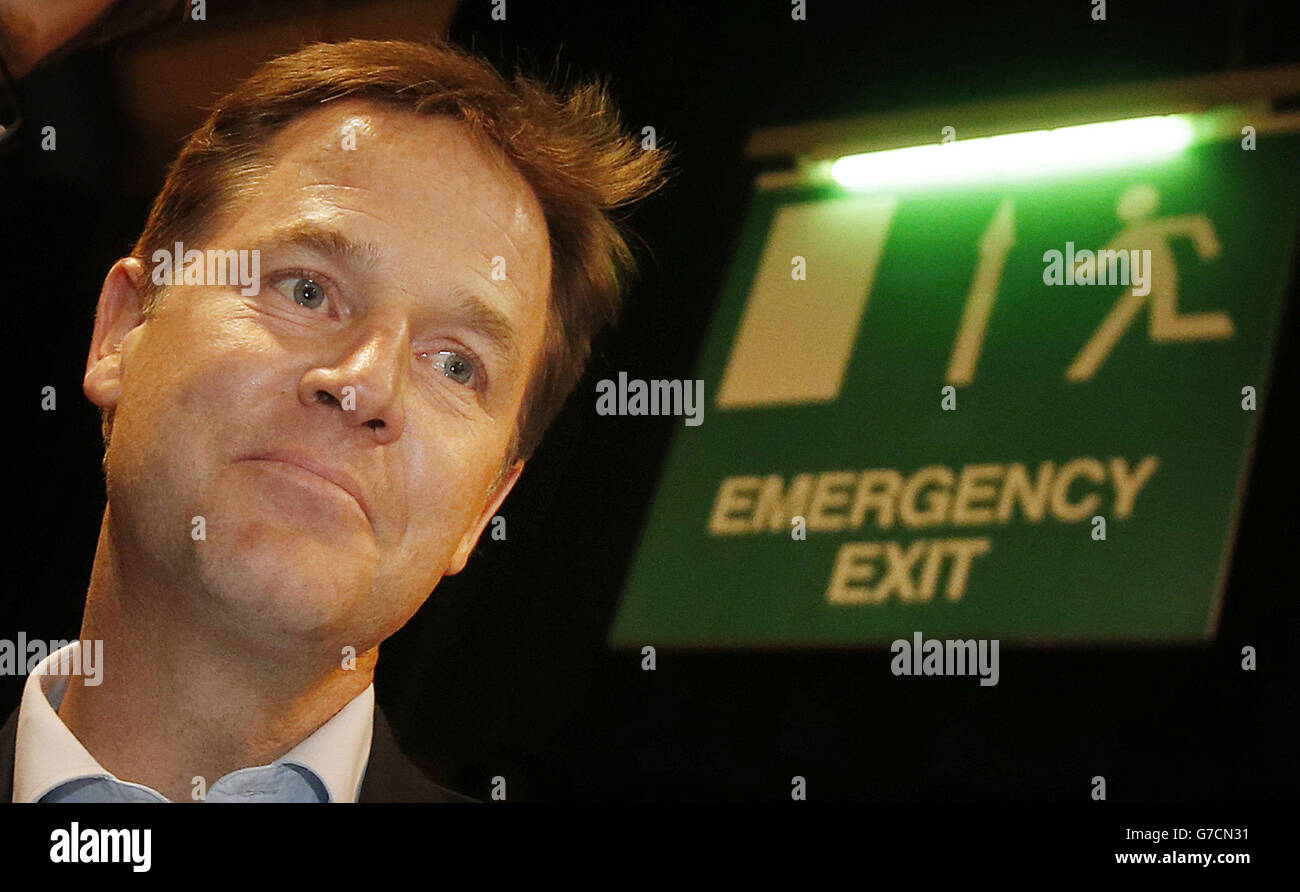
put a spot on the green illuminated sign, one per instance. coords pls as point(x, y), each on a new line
point(1020, 408)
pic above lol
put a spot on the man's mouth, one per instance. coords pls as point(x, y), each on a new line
point(336, 476)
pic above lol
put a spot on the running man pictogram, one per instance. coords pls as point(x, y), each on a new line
point(1166, 324)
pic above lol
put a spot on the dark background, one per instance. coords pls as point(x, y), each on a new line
point(505, 670)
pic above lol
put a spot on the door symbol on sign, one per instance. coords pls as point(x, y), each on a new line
point(1166, 324)
point(814, 321)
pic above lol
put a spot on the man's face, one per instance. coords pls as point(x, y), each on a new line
point(404, 287)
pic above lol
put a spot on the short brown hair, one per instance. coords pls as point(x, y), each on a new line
point(570, 148)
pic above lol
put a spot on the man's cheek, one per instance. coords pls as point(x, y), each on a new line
point(222, 383)
point(428, 544)
point(445, 510)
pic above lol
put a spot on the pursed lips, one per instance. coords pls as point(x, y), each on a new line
point(338, 477)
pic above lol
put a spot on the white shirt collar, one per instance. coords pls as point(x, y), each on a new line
point(47, 753)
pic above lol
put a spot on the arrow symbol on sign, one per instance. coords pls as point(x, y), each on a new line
point(995, 245)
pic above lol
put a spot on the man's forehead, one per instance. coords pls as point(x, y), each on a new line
point(355, 150)
point(345, 137)
point(432, 177)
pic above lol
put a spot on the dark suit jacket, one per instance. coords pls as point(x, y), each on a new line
point(389, 777)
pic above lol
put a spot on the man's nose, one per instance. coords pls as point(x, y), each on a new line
point(364, 377)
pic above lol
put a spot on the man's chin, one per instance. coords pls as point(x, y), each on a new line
point(284, 583)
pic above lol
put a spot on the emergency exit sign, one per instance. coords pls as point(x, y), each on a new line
point(1016, 408)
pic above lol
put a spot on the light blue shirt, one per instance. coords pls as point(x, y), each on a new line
point(51, 765)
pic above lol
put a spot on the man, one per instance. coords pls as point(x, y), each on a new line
point(294, 459)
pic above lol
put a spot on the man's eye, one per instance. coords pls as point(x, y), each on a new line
point(454, 366)
point(306, 292)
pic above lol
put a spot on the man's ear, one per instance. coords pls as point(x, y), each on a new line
point(119, 311)
point(471, 537)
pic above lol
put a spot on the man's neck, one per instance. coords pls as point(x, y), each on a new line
point(180, 699)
